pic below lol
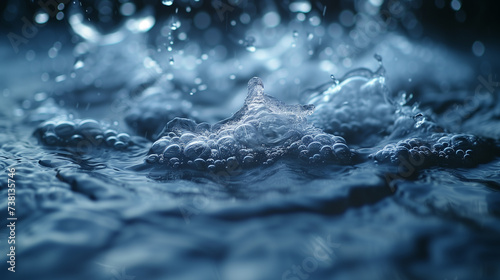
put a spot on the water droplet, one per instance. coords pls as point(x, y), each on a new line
point(174, 24)
point(171, 61)
point(310, 36)
point(378, 58)
point(334, 79)
point(295, 34)
point(41, 18)
point(202, 87)
point(232, 77)
point(249, 43)
point(478, 48)
point(60, 78)
point(167, 2)
point(78, 64)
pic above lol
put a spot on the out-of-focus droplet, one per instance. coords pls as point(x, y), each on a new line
point(456, 5)
point(44, 77)
point(315, 21)
point(295, 34)
point(175, 24)
point(478, 48)
point(79, 64)
point(41, 18)
point(300, 6)
point(53, 52)
point(232, 77)
point(249, 44)
point(271, 19)
point(202, 87)
point(60, 78)
point(167, 2)
point(30, 55)
point(127, 9)
point(171, 60)
point(40, 96)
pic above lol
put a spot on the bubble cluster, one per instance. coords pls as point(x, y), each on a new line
point(261, 132)
point(74, 133)
point(441, 149)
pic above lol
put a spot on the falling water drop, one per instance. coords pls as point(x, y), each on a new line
point(249, 44)
point(295, 34)
point(175, 24)
point(334, 79)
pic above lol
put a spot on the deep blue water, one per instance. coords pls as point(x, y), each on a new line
point(363, 149)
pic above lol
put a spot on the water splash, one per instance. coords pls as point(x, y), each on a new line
point(355, 108)
point(262, 131)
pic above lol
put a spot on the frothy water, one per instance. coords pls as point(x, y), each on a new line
point(146, 150)
point(260, 133)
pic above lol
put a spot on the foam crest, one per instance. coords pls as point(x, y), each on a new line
point(262, 131)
